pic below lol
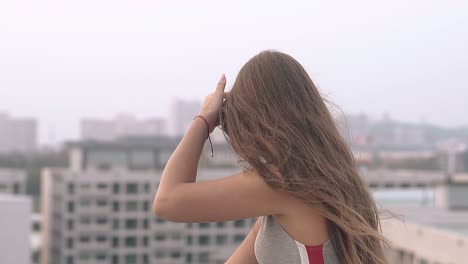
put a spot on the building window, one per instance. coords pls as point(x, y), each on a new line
point(115, 206)
point(16, 188)
point(71, 207)
point(131, 206)
point(204, 257)
point(101, 221)
point(115, 224)
point(131, 223)
point(115, 242)
point(160, 237)
point(130, 259)
point(130, 241)
point(70, 242)
point(70, 224)
point(145, 223)
point(102, 186)
point(69, 260)
point(116, 188)
point(132, 188)
point(36, 226)
point(84, 239)
point(146, 206)
point(100, 257)
point(145, 241)
point(203, 240)
point(239, 223)
point(221, 239)
point(101, 239)
point(115, 259)
point(175, 254)
point(238, 238)
point(101, 203)
point(71, 188)
point(189, 239)
point(220, 224)
point(204, 225)
point(145, 259)
point(147, 188)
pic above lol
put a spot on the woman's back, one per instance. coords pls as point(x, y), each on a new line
point(274, 245)
point(281, 129)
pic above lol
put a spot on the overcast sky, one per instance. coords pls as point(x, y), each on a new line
point(64, 60)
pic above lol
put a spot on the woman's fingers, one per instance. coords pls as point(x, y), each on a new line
point(221, 84)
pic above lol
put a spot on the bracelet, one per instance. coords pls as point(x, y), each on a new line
point(208, 129)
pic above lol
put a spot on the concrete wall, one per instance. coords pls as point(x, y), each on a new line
point(15, 229)
point(413, 243)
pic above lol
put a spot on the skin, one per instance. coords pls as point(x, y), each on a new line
point(243, 195)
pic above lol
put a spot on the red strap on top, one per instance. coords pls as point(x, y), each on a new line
point(315, 254)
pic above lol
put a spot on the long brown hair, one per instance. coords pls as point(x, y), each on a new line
point(278, 123)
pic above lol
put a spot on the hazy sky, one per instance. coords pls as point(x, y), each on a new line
point(64, 60)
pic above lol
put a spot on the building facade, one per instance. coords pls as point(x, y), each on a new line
point(122, 125)
point(17, 134)
point(12, 181)
point(181, 115)
point(413, 243)
point(15, 226)
point(99, 210)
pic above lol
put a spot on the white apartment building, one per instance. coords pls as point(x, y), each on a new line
point(122, 125)
point(12, 181)
point(17, 134)
point(100, 209)
point(182, 113)
point(15, 226)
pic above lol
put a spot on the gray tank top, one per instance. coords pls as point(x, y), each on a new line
point(273, 245)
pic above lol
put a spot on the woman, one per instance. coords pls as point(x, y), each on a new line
point(300, 178)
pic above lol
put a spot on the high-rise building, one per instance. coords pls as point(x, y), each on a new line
point(15, 227)
point(17, 134)
point(99, 210)
point(12, 181)
point(181, 115)
point(122, 125)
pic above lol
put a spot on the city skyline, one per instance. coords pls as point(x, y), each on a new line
point(51, 139)
point(135, 57)
point(96, 98)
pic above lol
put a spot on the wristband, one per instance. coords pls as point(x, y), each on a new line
point(208, 130)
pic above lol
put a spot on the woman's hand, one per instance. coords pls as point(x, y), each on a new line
point(212, 105)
